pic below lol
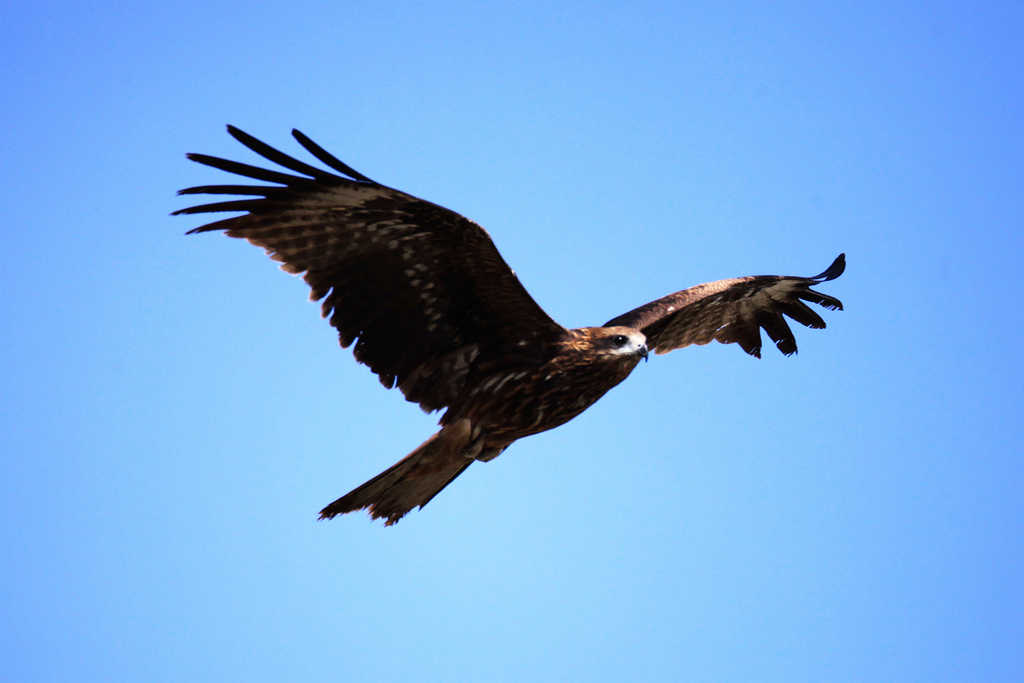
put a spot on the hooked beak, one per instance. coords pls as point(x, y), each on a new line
point(643, 352)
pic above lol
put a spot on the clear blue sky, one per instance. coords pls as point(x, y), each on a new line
point(174, 413)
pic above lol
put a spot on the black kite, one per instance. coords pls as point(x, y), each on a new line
point(433, 309)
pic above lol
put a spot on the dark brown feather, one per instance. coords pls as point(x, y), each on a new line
point(734, 311)
point(411, 482)
point(406, 280)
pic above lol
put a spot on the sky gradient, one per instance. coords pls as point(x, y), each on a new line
point(174, 413)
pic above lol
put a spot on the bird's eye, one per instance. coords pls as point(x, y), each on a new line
point(620, 340)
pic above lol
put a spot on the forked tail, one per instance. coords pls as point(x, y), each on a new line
point(411, 482)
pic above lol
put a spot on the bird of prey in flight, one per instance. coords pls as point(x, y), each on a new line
point(433, 309)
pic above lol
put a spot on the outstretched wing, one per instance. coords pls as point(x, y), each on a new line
point(735, 310)
point(422, 289)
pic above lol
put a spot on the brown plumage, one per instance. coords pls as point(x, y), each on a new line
point(433, 309)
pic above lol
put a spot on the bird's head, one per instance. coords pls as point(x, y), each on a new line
point(625, 343)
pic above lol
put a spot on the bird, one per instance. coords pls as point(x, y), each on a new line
point(433, 309)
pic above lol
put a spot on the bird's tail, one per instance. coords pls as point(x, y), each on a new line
point(412, 481)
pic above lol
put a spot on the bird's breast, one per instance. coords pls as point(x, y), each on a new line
point(517, 403)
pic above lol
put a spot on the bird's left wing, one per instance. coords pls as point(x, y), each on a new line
point(734, 311)
point(423, 290)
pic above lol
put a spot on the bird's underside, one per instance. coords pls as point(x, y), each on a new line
point(433, 309)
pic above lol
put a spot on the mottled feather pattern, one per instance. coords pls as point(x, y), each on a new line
point(734, 311)
point(389, 268)
point(531, 397)
point(427, 302)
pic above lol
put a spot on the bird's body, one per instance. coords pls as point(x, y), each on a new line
point(498, 406)
point(511, 401)
point(433, 309)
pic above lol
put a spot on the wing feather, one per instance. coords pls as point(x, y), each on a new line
point(419, 289)
point(734, 311)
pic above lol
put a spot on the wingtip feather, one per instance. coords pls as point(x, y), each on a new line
point(837, 268)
